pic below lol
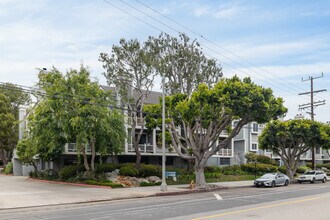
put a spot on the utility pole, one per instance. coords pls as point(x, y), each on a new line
point(312, 105)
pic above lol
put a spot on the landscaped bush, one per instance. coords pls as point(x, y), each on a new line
point(71, 171)
point(150, 184)
point(302, 169)
point(309, 165)
point(46, 174)
point(150, 170)
point(282, 169)
point(104, 183)
point(253, 157)
point(212, 169)
point(232, 170)
point(8, 168)
point(258, 168)
point(326, 165)
point(128, 170)
point(105, 167)
point(179, 171)
point(212, 175)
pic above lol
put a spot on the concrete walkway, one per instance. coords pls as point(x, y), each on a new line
point(19, 192)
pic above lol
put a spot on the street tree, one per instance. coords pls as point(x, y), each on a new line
point(75, 110)
point(183, 63)
point(291, 139)
point(8, 135)
point(195, 122)
point(27, 152)
point(16, 97)
point(129, 68)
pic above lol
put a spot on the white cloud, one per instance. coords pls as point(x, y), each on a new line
point(202, 10)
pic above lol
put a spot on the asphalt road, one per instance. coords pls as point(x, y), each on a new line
point(282, 203)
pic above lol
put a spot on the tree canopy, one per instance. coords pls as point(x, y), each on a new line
point(209, 111)
point(291, 139)
point(74, 110)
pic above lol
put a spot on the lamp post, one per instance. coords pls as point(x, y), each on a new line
point(163, 186)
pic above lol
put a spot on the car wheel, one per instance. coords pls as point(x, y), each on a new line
point(299, 182)
point(324, 180)
point(273, 184)
point(286, 183)
point(313, 181)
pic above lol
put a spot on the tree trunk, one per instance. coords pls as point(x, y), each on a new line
point(138, 156)
point(83, 151)
point(200, 177)
point(92, 144)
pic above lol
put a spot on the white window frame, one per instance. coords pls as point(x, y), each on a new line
point(251, 147)
point(255, 124)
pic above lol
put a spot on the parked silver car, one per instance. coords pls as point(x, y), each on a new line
point(312, 176)
point(272, 179)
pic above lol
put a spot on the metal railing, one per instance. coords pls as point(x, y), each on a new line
point(144, 148)
point(72, 148)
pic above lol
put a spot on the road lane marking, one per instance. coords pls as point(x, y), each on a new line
point(261, 207)
point(217, 196)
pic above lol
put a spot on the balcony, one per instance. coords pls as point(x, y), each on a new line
point(225, 152)
point(139, 121)
point(72, 149)
point(149, 148)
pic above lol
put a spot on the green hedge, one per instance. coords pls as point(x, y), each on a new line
point(282, 169)
point(252, 157)
point(326, 165)
point(8, 168)
point(258, 168)
point(105, 167)
point(71, 171)
point(150, 170)
point(213, 169)
point(129, 170)
point(232, 170)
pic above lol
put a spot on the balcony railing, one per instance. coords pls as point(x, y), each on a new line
point(71, 148)
point(139, 121)
point(225, 152)
point(144, 148)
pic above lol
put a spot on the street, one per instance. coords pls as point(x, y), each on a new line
point(303, 201)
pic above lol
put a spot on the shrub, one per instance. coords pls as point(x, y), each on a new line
point(8, 168)
point(309, 165)
point(150, 184)
point(282, 169)
point(232, 170)
point(302, 169)
point(326, 165)
point(212, 169)
point(46, 174)
point(212, 175)
point(71, 171)
point(149, 170)
point(252, 157)
point(105, 167)
point(258, 168)
point(129, 170)
point(179, 171)
point(104, 183)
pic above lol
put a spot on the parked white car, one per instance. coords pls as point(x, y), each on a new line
point(312, 176)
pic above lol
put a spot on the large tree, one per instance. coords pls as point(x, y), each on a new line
point(73, 109)
point(15, 96)
point(183, 63)
point(128, 68)
point(8, 135)
point(195, 122)
point(291, 139)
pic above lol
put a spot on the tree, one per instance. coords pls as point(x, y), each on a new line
point(196, 122)
point(27, 151)
point(128, 68)
point(8, 135)
point(75, 110)
point(291, 139)
point(183, 63)
point(15, 97)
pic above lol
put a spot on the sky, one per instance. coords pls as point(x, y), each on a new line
point(276, 43)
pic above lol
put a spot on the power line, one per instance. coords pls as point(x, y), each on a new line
point(215, 44)
point(281, 88)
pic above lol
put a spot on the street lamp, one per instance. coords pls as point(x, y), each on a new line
point(163, 186)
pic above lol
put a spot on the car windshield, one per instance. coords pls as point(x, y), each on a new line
point(267, 176)
point(310, 172)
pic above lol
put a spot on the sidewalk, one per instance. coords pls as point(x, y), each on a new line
point(19, 192)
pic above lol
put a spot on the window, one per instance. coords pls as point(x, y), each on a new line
point(224, 161)
point(255, 127)
point(254, 147)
